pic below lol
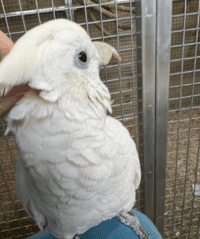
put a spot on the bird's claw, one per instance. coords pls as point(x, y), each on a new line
point(76, 237)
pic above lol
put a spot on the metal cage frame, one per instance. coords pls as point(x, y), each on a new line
point(154, 37)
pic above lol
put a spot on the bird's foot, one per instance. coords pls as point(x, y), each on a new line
point(76, 237)
point(130, 219)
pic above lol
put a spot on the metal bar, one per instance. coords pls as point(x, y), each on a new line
point(198, 227)
point(131, 89)
point(186, 58)
point(120, 82)
point(186, 30)
point(134, 88)
point(168, 196)
point(22, 15)
point(133, 73)
point(68, 12)
point(54, 14)
point(139, 85)
point(125, 104)
point(122, 64)
point(6, 20)
point(196, 174)
point(185, 221)
point(103, 39)
point(148, 24)
point(183, 150)
point(188, 200)
point(187, 84)
point(180, 169)
point(186, 44)
point(180, 160)
point(187, 14)
point(187, 108)
point(125, 116)
point(35, 11)
point(86, 18)
point(185, 140)
point(190, 125)
point(109, 20)
point(94, 38)
point(179, 117)
point(61, 8)
point(164, 22)
point(38, 13)
point(183, 97)
point(178, 73)
point(184, 130)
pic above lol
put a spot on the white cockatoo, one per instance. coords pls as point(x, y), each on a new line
point(77, 166)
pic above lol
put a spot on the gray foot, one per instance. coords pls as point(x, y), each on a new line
point(76, 237)
point(130, 219)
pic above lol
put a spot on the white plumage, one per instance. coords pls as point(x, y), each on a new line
point(77, 165)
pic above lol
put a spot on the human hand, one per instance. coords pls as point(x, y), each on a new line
point(5, 43)
point(17, 92)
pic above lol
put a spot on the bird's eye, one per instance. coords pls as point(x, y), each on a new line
point(82, 57)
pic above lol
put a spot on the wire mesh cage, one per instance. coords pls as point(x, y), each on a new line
point(182, 204)
point(109, 21)
point(120, 23)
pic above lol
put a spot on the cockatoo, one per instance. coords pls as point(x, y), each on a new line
point(77, 166)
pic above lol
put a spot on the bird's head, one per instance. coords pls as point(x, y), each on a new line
point(59, 58)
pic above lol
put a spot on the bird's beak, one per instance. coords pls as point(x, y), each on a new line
point(105, 52)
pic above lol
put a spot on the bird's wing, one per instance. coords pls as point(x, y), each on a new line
point(124, 145)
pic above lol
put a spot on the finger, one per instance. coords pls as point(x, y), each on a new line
point(5, 43)
point(17, 92)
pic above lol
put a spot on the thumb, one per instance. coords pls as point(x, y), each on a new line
point(6, 44)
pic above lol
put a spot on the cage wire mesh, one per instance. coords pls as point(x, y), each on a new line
point(105, 20)
point(182, 204)
point(109, 21)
